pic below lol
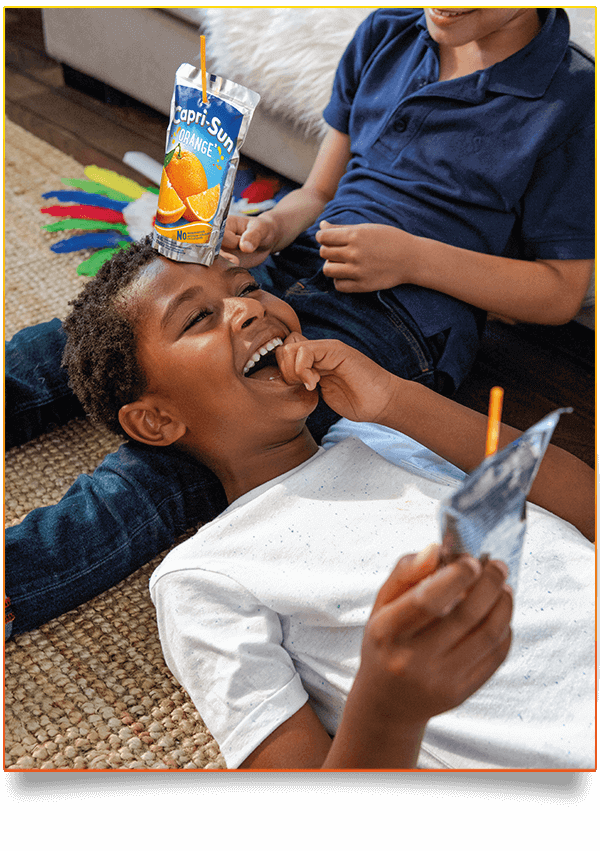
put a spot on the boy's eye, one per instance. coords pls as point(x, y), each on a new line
point(195, 318)
point(250, 288)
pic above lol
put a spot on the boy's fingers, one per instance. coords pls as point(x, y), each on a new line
point(332, 234)
point(253, 236)
point(309, 377)
point(409, 570)
point(230, 240)
point(339, 271)
point(476, 606)
point(334, 253)
point(430, 599)
point(295, 337)
point(489, 633)
point(295, 363)
point(441, 591)
point(231, 257)
point(412, 602)
point(346, 285)
point(304, 363)
point(487, 646)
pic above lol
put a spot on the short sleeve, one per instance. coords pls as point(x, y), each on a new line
point(224, 648)
point(558, 213)
point(347, 77)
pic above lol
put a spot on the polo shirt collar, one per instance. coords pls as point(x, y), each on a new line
point(526, 73)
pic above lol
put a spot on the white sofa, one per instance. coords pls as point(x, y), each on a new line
point(288, 55)
point(137, 51)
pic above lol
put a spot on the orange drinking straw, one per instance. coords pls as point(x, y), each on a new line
point(494, 416)
point(203, 67)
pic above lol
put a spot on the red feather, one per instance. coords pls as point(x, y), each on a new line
point(83, 211)
point(262, 189)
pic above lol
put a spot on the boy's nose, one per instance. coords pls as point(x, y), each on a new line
point(243, 312)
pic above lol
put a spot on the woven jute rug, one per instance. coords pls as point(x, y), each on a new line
point(89, 690)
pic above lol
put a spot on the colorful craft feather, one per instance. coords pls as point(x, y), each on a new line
point(110, 209)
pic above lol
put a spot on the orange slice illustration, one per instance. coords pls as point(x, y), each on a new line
point(202, 206)
point(170, 206)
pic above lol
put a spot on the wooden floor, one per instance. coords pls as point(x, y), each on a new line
point(539, 368)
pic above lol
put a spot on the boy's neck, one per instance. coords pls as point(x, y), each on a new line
point(475, 56)
point(241, 475)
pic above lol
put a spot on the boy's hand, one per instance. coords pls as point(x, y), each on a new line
point(351, 384)
point(248, 240)
point(366, 257)
point(428, 646)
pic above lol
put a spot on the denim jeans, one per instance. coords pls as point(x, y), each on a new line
point(140, 498)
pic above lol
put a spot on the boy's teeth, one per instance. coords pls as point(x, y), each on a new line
point(264, 350)
point(446, 13)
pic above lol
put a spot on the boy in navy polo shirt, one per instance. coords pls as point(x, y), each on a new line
point(458, 172)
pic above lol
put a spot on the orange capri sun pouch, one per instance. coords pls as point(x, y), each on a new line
point(208, 124)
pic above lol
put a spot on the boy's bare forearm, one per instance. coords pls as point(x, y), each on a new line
point(365, 741)
point(546, 292)
point(564, 484)
point(296, 212)
point(447, 428)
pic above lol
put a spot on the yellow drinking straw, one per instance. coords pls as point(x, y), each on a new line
point(203, 67)
point(494, 417)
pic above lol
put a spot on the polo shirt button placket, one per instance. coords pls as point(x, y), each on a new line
point(400, 124)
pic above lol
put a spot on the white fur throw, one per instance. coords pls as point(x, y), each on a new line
point(288, 56)
point(583, 28)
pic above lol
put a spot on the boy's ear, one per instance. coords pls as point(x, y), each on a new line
point(143, 420)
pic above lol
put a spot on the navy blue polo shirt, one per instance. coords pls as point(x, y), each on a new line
point(500, 161)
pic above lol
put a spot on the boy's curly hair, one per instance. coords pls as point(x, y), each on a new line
point(100, 354)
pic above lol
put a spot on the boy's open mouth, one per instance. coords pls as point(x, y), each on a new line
point(263, 363)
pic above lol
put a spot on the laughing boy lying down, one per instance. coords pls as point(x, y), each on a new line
point(303, 632)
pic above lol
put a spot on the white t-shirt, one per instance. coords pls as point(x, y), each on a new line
point(265, 608)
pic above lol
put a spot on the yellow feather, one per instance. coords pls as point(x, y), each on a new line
point(114, 181)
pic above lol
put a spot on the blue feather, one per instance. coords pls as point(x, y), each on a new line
point(89, 240)
point(86, 198)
